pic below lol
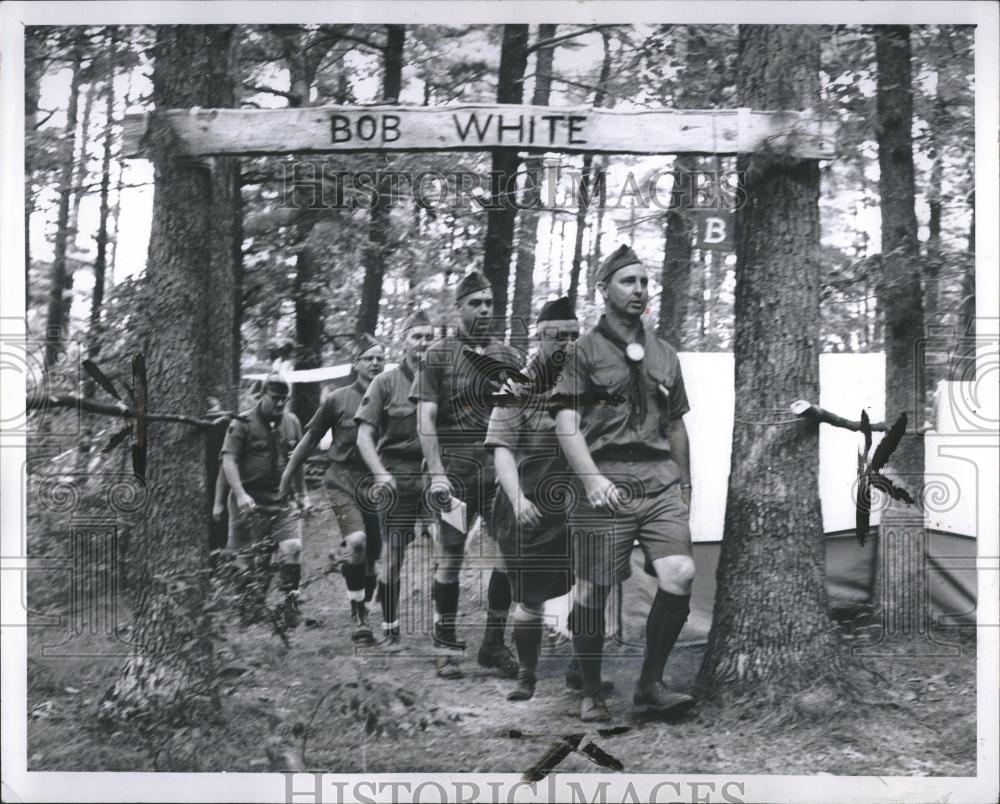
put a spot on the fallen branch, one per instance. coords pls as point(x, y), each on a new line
point(807, 409)
point(121, 410)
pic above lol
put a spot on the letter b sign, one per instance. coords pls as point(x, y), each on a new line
point(715, 230)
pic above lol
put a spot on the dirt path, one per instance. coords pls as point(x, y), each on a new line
point(339, 711)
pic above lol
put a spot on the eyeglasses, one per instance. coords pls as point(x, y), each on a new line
point(560, 335)
point(372, 358)
point(278, 398)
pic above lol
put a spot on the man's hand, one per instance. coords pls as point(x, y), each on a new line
point(686, 495)
point(384, 479)
point(440, 490)
point(285, 487)
point(218, 509)
point(527, 513)
point(603, 494)
point(245, 503)
point(303, 502)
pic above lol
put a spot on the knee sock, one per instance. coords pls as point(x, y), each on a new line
point(498, 595)
point(588, 645)
point(666, 619)
point(388, 594)
point(354, 577)
point(371, 582)
point(446, 602)
point(528, 641)
point(290, 577)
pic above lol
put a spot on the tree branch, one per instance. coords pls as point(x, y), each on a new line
point(120, 410)
point(807, 409)
point(280, 92)
point(554, 40)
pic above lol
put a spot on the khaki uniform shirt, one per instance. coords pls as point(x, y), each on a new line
point(261, 450)
point(387, 407)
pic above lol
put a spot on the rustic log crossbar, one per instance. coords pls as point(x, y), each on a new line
point(486, 126)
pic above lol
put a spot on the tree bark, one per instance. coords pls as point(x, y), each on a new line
point(676, 277)
point(901, 298)
point(502, 216)
point(35, 45)
point(377, 252)
point(101, 258)
point(189, 359)
point(587, 177)
point(61, 283)
point(771, 632)
point(80, 171)
point(531, 201)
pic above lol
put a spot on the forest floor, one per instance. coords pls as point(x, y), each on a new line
point(335, 710)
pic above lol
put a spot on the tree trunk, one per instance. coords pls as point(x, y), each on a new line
point(588, 178)
point(676, 278)
point(35, 46)
point(771, 632)
point(81, 174)
point(502, 216)
point(376, 254)
point(189, 359)
point(101, 259)
point(60, 289)
point(531, 200)
point(900, 296)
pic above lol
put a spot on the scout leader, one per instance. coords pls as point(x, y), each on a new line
point(530, 516)
point(453, 413)
point(347, 481)
point(254, 453)
point(387, 413)
point(632, 461)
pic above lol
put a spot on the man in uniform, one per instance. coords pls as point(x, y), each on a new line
point(530, 516)
point(453, 413)
point(347, 481)
point(632, 461)
point(253, 455)
point(387, 413)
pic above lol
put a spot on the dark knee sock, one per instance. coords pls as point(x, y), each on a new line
point(354, 577)
point(528, 641)
point(371, 582)
point(291, 574)
point(588, 645)
point(446, 601)
point(388, 594)
point(498, 595)
point(667, 616)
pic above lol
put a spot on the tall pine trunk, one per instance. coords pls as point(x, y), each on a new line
point(531, 200)
point(771, 631)
point(60, 289)
point(189, 357)
point(376, 253)
point(101, 258)
point(502, 216)
point(901, 298)
point(588, 178)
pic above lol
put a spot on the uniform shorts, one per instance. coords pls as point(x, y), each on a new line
point(406, 506)
point(537, 559)
point(353, 517)
point(602, 541)
point(473, 481)
point(275, 522)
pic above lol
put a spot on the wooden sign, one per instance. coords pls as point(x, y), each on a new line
point(714, 229)
point(478, 127)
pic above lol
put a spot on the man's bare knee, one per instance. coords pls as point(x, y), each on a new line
point(675, 574)
point(355, 547)
point(590, 595)
point(290, 551)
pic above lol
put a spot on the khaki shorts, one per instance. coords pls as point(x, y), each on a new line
point(473, 480)
point(602, 541)
point(352, 518)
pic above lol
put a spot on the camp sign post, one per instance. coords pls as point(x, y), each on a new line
point(479, 127)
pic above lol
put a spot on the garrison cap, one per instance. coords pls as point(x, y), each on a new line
point(472, 282)
point(620, 258)
point(418, 318)
point(560, 309)
point(362, 344)
point(275, 383)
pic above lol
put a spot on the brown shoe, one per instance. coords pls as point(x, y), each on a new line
point(655, 697)
point(524, 690)
point(593, 709)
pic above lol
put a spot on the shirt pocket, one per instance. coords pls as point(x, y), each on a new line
point(658, 382)
point(610, 377)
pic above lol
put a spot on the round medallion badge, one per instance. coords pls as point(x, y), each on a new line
point(635, 352)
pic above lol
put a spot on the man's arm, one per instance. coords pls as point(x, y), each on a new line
point(366, 446)
point(221, 489)
point(293, 470)
point(506, 466)
point(680, 451)
point(244, 502)
point(601, 492)
point(427, 431)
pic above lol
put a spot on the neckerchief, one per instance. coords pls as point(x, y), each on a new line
point(474, 341)
point(637, 377)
